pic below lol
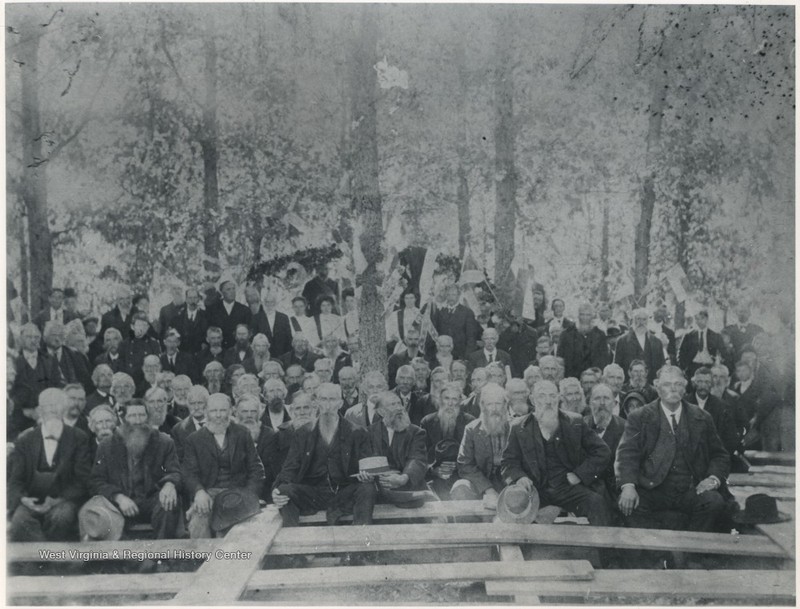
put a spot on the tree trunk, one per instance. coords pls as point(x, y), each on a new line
point(604, 264)
point(208, 142)
point(462, 188)
point(34, 170)
point(24, 270)
point(365, 187)
point(648, 194)
point(505, 170)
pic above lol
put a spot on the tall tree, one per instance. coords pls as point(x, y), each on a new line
point(208, 142)
point(365, 184)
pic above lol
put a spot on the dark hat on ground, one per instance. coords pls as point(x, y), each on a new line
point(760, 509)
point(446, 450)
point(516, 505)
point(232, 506)
point(99, 520)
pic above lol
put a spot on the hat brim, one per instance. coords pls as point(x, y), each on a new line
point(117, 519)
point(527, 516)
point(742, 518)
point(222, 519)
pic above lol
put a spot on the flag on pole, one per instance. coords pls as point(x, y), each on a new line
point(677, 281)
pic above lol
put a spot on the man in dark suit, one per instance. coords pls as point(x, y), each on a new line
point(112, 341)
point(637, 375)
point(241, 350)
point(101, 377)
point(760, 403)
point(170, 311)
point(699, 347)
point(458, 322)
point(300, 354)
point(557, 453)
point(191, 323)
point(583, 346)
point(103, 421)
point(197, 400)
point(35, 372)
point(276, 412)
point(134, 350)
point(414, 402)
point(47, 476)
point(121, 316)
point(176, 361)
point(725, 419)
point(661, 316)
point(219, 456)
point(138, 470)
point(274, 325)
point(393, 436)
point(671, 458)
point(490, 353)
point(447, 423)
point(226, 314)
point(319, 471)
point(212, 350)
point(638, 343)
point(481, 451)
point(73, 365)
point(608, 426)
point(519, 341)
point(318, 286)
point(56, 311)
point(404, 357)
point(742, 332)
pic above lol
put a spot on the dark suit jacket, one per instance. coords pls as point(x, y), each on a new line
point(116, 365)
point(201, 466)
point(395, 361)
point(110, 473)
point(352, 444)
point(639, 461)
point(408, 452)
point(582, 352)
point(29, 383)
point(270, 451)
point(165, 316)
point(193, 333)
point(133, 351)
point(690, 346)
point(231, 356)
point(114, 319)
point(72, 465)
point(576, 443)
point(75, 368)
point(342, 360)
point(217, 316)
point(724, 421)
point(460, 325)
point(95, 399)
point(306, 362)
point(267, 422)
point(434, 434)
point(611, 437)
point(672, 344)
point(475, 457)
point(419, 406)
point(44, 316)
point(521, 346)
point(471, 405)
point(477, 359)
point(184, 364)
point(203, 358)
point(180, 433)
point(740, 339)
point(280, 337)
point(629, 349)
point(759, 400)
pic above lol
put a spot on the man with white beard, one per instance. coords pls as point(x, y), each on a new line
point(482, 449)
point(572, 398)
point(447, 423)
point(138, 471)
point(181, 385)
point(518, 398)
point(221, 455)
point(392, 435)
point(247, 413)
point(157, 406)
point(102, 423)
point(320, 470)
point(557, 453)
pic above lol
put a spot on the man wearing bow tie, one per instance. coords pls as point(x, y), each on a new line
point(49, 470)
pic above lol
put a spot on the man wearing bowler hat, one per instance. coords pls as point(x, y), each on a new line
point(320, 471)
point(137, 470)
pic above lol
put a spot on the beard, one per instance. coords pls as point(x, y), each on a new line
point(602, 417)
point(52, 426)
point(136, 438)
point(495, 425)
point(399, 422)
point(218, 428)
point(447, 419)
point(547, 417)
point(275, 405)
point(254, 427)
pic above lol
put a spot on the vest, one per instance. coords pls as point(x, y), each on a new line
point(676, 447)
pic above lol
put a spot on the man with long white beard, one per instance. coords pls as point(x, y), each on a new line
point(196, 400)
point(557, 453)
point(447, 423)
point(274, 392)
point(221, 455)
point(213, 373)
point(247, 413)
point(49, 468)
point(608, 426)
point(319, 471)
point(102, 423)
point(181, 385)
point(482, 449)
point(518, 398)
point(273, 449)
point(138, 471)
point(392, 435)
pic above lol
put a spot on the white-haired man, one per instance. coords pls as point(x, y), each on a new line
point(415, 403)
point(158, 409)
point(639, 343)
point(300, 354)
point(101, 377)
point(364, 414)
point(481, 451)
point(472, 404)
point(122, 389)
point(151, 366)
point(519, 402)
point(572, 397)
point(608, 426)
point(196, 401)
point(614, 377)
point(102, 423)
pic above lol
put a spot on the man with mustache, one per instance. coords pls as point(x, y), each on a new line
point(724, 417)
point(393, 436)
point(248, 413)
point(221, 455)
point(519, 403)
point(606, 425)
point(319, 471)
point(472, 403)
point(274, 392)
point(364, 414)
point(446, 424)
point(157, 406)
point(47, 475)
point(137, 470)
point(150, 369)
point(348, 381)
point(481, 451)
point(557, 453)
point(415, 404)
point(300, 354)
point(273, 445)
point(214, 374)
point(101, 377)
point(181, 385)
point(572, 398)
point(196, 400)
point(671, 458)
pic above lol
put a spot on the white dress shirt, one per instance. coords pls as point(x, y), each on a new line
point(228, 306)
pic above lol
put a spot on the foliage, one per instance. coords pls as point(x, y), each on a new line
point(310, 258)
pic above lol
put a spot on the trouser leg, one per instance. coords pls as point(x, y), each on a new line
point(583, 501)
point(703, 509)
point(463, 490)
point(164, 522)
point(356, 499)
point(303, 499)
point(25, 526)
point(61, 522)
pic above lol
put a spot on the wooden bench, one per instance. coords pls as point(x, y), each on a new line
point(758, 457)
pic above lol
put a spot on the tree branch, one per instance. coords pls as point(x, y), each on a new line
point(174, 67)
point(601, 32)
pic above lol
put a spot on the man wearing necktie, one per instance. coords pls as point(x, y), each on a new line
point(606, 425)
point(490, 353)
point(670, 458)
point(699, 348)
point(48, 475)
point(458, 322)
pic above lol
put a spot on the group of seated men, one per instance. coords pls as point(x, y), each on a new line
point(291, 428)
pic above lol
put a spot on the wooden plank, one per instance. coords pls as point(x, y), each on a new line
point(513, 554)
point(222, 580)
point(757, 457)
point(285, 579)
point(781, 470)
point(311, 540)
point(78, 586)
point(782, 533)
point(106, 550)
point(434, 509)
point(718, 584)
point(764, 479)
point(781, 494)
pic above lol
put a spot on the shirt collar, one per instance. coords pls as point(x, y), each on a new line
point(669, 414)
